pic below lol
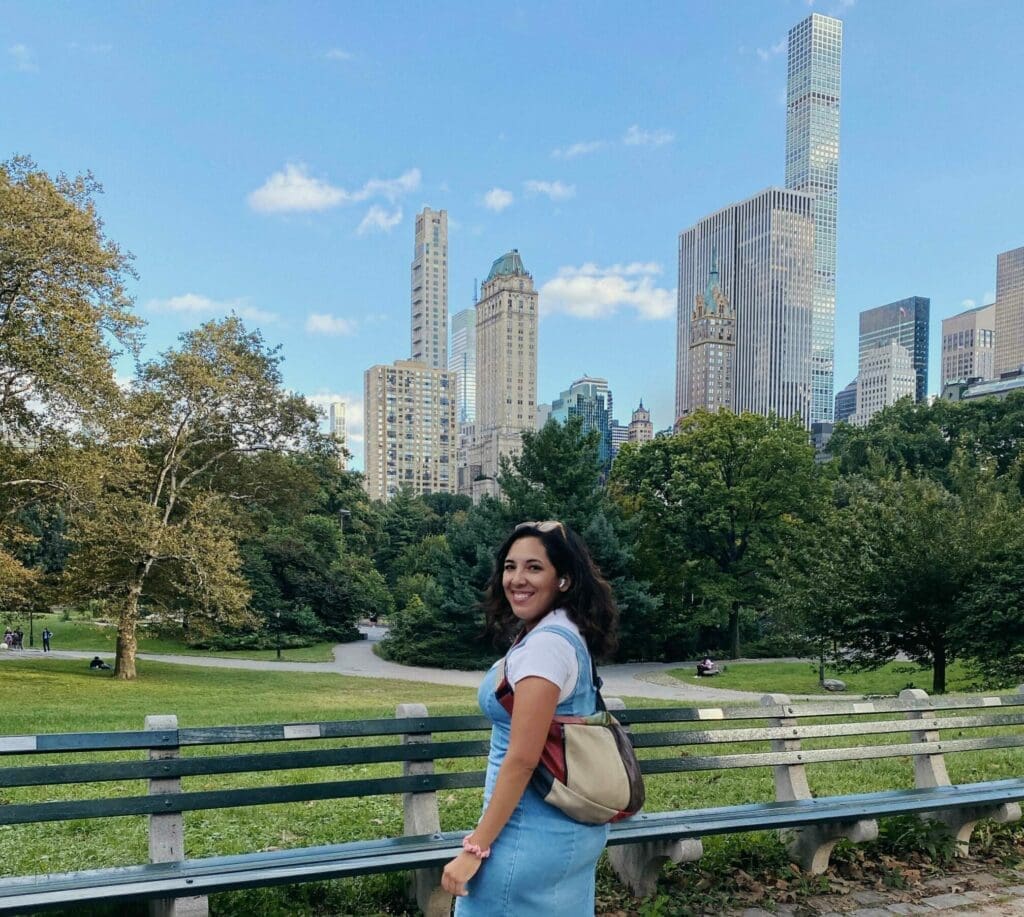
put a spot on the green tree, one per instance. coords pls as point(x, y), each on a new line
point(64, 316)
point(158, 531)
point(714, 506)
point(556, 476)
point(63, 306)
point(405, 521)
point(990, 631)
point(896, 567)
point(935, 439)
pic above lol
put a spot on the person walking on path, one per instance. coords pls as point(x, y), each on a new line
point(47, 634)
point(526, 857)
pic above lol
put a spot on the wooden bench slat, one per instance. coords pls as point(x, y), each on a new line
point(808, 731)
point(162, 803)
point(45, 743)
point(227, 735)
point(337, 729)
point(807, 709)
point(822, 755)
point(56, 774)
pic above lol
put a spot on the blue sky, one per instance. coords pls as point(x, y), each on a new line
point(271, 157)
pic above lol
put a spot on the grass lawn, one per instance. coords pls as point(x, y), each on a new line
point(77, 634)
point(797, 678)
point(55, 695)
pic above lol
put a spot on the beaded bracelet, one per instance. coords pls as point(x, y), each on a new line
point(481, 853)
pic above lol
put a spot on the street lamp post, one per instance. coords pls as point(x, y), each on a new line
point(277, 615)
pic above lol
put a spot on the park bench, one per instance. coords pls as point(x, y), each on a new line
point(672, 743)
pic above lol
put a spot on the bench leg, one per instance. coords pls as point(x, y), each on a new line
point(959, 823)
point(638, 865)
point(811, 847)
point(421, 816)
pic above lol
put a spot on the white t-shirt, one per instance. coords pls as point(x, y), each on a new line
point(547, 655)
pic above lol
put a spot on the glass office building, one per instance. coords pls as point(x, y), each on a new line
point(462, 362)
point(763, 249)
point(812, 165)
point(589, 399)
point(905, 321)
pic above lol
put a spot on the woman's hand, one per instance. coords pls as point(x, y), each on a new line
point(458, 872)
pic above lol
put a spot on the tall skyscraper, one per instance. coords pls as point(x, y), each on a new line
point(763, 250)
point(409, 418)
point(506, 372)
point(1009, 310)
point(968, 345)
point(589, 399)
point(641, 430)
point(905, 321)
point(462, 362)
point(846, 402)
point(812, 165)
point(336, 417)
point(712, 346)
point(430, 289)
point(620, 436)
point(886, 375)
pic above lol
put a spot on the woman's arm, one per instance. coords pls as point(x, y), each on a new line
point(535, 703)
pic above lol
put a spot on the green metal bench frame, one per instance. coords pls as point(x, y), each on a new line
point(638, 847)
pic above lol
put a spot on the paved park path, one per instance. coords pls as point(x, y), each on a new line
point(645, 679)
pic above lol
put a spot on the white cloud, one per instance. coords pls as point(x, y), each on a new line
point(294, 189)
point(972, 302)
point(583, 148)
point(637, 137)
point(555, 190)
point(497, 199)
point(338, 54)
point(198, 305)
point(22, 58)
point(767, 54)
point(325, 323)
point(590, 291)
point(377, 219)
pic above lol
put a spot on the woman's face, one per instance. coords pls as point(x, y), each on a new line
point(530, 580)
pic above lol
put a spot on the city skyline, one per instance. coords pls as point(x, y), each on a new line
point(280, 170)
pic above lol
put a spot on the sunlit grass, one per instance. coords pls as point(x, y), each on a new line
point(800, 678)
point(90, 636)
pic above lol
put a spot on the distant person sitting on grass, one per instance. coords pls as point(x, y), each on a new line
point(707, 667)
point(98, 663)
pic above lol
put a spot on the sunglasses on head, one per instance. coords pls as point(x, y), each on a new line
point(548, 526)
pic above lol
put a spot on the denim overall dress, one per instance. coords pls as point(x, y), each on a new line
point(542, 864)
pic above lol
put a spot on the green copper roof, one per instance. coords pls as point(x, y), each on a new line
point(508, 265)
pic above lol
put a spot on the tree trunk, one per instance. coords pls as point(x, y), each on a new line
point(127, 641)
point(939, 670)
point(734, 631)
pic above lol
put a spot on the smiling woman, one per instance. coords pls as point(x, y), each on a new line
point(547, 594)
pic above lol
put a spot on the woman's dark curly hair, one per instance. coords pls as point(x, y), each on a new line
point(588, 600)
